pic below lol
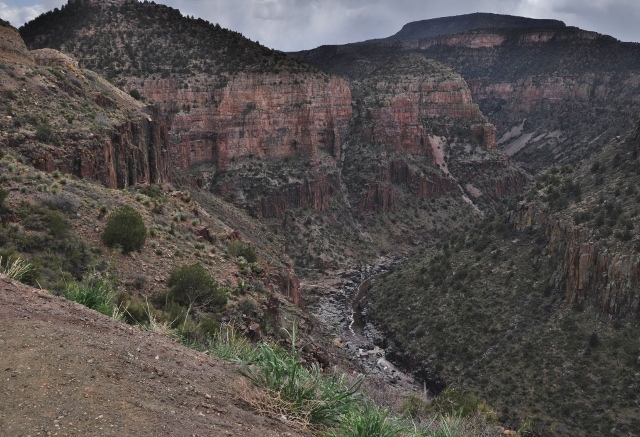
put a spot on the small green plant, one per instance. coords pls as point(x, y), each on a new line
point(125, 228)
point(370, 421)
point(15, 269)
point(245, 250)
point(135, 94)
point(229, 345)
point(303, 394)
point(57, 224)
point(95, 292)
point(191, 285)
point(45, 133)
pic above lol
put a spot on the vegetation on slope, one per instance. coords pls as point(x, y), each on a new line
point(489, 311)
point(145, 39)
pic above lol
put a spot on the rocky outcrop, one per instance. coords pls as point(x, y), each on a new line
point(607, 277)
point(377, 197)
point(289, 285)
point(314, 194)
point(137, 152)
point(12, 47)
point(496, 177)
point(268, 116)
point(53, 58)
point(403, 95)
point(126, 145)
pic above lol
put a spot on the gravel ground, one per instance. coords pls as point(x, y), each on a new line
point(66, 370)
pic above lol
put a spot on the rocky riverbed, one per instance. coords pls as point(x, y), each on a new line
point(339, 303)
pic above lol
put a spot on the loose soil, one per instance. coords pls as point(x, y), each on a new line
point(66, 370)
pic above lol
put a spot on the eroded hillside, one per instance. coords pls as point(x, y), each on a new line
point(534, 309)
point(556, 94)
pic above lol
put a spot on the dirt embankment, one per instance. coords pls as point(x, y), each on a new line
point(66, 370)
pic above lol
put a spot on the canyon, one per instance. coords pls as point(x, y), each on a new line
point(491, 155)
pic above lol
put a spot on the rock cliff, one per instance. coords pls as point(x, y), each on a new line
point(267, 116)
point(114, 140)
point(415, 126)
point(588, 271)
point(554, 93)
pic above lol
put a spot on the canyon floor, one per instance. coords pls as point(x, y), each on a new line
point(70, 371)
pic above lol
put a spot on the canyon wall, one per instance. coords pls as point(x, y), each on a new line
point(591, 271)
point(268, 116)
point(118, 150)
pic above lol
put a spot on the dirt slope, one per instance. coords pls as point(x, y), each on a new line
point(69, 371)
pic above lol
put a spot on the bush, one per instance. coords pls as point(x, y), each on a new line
point(369, 421)
point(304, 395)
point(96, 292)
point(57, 224)
point(126, 229)
point(245, 250)
point(191, 285)
point(135, 94)
point(229, 345)
point(45, 134)
point(3, 196)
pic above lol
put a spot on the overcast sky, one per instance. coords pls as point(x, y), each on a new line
point(291, 25)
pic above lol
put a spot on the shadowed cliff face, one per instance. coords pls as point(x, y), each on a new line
point(415, 122)
point(113, 140)
point(556, 94)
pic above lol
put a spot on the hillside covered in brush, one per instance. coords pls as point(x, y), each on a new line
point(534, 309)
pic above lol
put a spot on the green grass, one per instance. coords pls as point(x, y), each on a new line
point(95, 292)
point(306, 393)
point(15, 269)
point(369, 421)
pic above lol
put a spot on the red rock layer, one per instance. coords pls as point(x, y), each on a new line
point(136, 153)
point(260, 115)
point(313, 194)
point(398, 122)
point(381, 196)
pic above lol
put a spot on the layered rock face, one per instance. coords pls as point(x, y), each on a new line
point(314, 194)
point(120, 144)
point(589, 271)
point(412, 89)
point(267, 116)
point(402, 111)
point(558, 87)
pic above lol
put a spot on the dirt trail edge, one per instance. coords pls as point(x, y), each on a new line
point(66, 370)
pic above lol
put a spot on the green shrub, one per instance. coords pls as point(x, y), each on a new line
point(245, 250)
point(306, 394)
point(452, 402)
point(136, 313)
point(57, 224)
point(95, 292)
point(229, 345)
point(126, 229)
point(45, 134)
point(3, 196)
point(369, 421)
point(15, 269)
point(191, 285)
point(135, 94)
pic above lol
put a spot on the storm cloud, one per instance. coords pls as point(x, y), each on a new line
point(291, 25)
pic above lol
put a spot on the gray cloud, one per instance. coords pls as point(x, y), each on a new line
point(19, 14)
point(303, 24)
